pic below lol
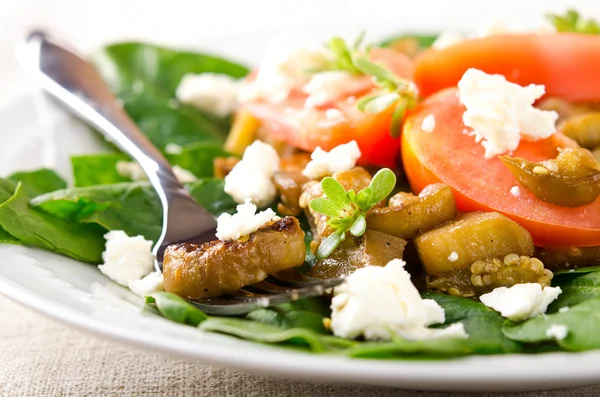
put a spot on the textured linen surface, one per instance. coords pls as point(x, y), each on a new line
point(39, 357)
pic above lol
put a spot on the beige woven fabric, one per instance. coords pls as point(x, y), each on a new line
point(39, 357)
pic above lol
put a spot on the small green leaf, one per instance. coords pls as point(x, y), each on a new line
point(363, 198)
point(176, 308)
point(574, 23)
point(335, 191)
point(359, 40)
point(325, 206)
point(364, 101)
point(380, 73)
point(382, 185)
point(398, 117)
point(381, 103)
point(329, 245)
point(359, 226)
point(351, 196)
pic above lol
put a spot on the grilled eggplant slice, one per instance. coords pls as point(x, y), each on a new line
point(196, 271)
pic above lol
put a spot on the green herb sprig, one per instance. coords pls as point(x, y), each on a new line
point(347, 209)
point(394, 90)
point(571, 21)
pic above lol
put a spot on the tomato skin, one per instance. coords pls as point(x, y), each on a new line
point(306, 129)
point(450, 156)
point(566, 63)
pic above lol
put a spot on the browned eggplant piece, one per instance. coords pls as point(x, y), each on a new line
point(289, 181)
point(372, 249)
point(486, 275)
point(471, 237)
point(224, 165)
point(566, 109)
point(583, 129)
point(571, 180)
point(409, 215)
point(569, 258)
point(196, 271)
point(356, 179)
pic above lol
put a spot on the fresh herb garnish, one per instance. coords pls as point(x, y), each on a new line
point(394, 90)
point(571, 21)
point(347, 209)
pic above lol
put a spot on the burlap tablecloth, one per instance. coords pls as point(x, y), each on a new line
point(39, 357)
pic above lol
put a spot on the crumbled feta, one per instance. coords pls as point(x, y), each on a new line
point(251, 177)
point(428, 124)
point(243, 222)
point(500, 27)
point(126, 259)
point(328, 86)
point(557, 331)
point(334, 114)
point(173, 148)
point(381, 302)
point(212, 92)
point(564, 309)
point(447, 38)
point(134, 171)
point(515, 191)
point(153, 282)
point(521, 301)
point(340, 158)
point(501, 113)
point(453, 257)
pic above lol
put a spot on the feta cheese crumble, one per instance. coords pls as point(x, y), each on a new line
point(135, 172)
point(212, 92)
point(173, 148)
point(501, 113)
point(448, 38)
point(428, 124)
point(126, 259)
point(515, 191)
point(453, 257)
point(521, 301)
point(557, 331)
point(153, 282)
point(381, 303)
point(243, 222)
point(564, 309)
point(251, 177)
point(325, 87)
point(340, 158)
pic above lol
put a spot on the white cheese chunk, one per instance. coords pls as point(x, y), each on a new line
point(453, 257)
point(557, 331)
point(515, 191)
point(126, 259)
point(243, 222)
point(381, 303)
point(501, 113)
point(564, 309)
point(428, 124)
point(326, 87)
point(251, 177)
point(134, 171)
point(212, 92)
point(340, 158)
point(521, 301)
point(153, 282)
point(448, 38)
point(173, 148)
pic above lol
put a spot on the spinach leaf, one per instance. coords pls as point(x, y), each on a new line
point(39, 182)
point(198, 158)
point(304, 313)
point(582, 321)
point(405, 348)
point(145, 78)
point(176, 308)
point(483, 324)
point(576, 288)
point(424, 40)
point(579, 270)
point(132, 207)
point(97, 169)
point(32, 227)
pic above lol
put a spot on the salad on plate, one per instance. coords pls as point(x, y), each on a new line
point(452, 180)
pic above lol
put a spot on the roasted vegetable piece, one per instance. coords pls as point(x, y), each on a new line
point(483, 276)
point(201, 271)
point(224, 165)
point(289, 181)
point(584, 129)
point(596, 153)
point(242, 133)
point(566, 109)
point(371, 249)
point(569, 258)
point(471, 237)
point(355, 179)
point(409, 215)
point(572, 180)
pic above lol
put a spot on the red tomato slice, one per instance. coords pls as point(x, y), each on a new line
point(339, 122)
point(451, 156)
point(566, 63)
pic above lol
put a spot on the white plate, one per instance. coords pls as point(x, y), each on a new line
point(36, 134)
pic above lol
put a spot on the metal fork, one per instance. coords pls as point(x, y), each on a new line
point(78, 86)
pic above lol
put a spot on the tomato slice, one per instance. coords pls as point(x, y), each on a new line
point(566, 63)
point(453, 157)
point(337, 122)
